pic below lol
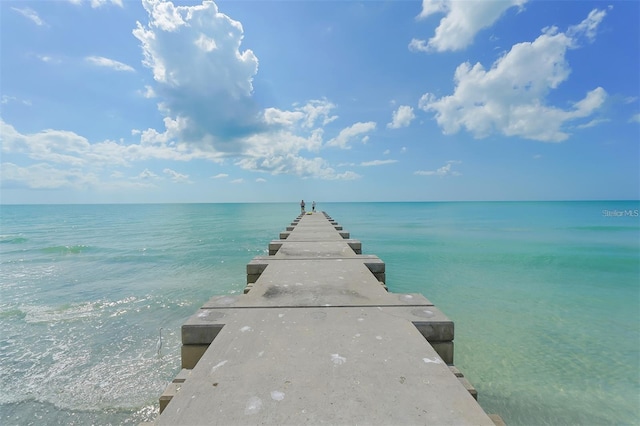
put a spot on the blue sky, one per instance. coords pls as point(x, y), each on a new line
point(108, 101)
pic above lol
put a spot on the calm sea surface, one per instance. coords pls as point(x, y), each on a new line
point(545, 297)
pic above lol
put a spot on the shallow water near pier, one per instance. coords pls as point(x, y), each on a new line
point(545, 298)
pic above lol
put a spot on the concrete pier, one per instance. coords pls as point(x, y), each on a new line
point(318, 339)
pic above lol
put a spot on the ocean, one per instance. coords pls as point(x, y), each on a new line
point(545, 297)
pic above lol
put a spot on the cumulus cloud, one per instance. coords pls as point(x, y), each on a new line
point(462, 21)
point(201, 73)
point(442, 171)
point(108, 63)
point(204, 84)
point(30, 14)
point(220, 176)
point(347, 134)
point(402, 117)
point(509, 98)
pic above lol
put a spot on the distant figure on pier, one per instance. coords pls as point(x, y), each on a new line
point(313, 206)
point(302, 206)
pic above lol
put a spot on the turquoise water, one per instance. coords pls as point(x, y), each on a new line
point(545, 297)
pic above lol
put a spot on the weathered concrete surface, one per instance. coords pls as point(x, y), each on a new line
point(321, 366)
point(317, 339)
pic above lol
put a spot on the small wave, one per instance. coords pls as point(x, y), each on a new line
point(69, 312)
point(12, 239)
point(605, 228)
point(64, 250)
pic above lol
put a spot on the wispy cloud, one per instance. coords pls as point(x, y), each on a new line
point(175, 176)
point(97, 3)
point(347, 134)
point(30, 14)
point(109, 63)
point(147, 174)
point(9, 99)
point(377, 163)
point(593, 123)
point(442, 171)
point(462, 21)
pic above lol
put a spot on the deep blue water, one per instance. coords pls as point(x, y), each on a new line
point(545, 297)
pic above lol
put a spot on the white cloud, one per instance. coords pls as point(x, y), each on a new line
point(9, 99)
point(261, 180)
point(509, 98)
point(108, 63)
point(98, 3)
point(589, 25)
point(593, 123)
point(417, 45)
point(402, 117)
point(175, 176)
point(147, 174)
point(220, 176)
point(45, 176)
point(349, 133)
point(462, 21)
point(635, 118)
point(442, 171)
point(30, 14)
point(204, 83)
point(201, 74)
point(237, 181)
point(377, 163)
point(48, 59)
point(71, 149)
point(148, 92)
point(313, 113)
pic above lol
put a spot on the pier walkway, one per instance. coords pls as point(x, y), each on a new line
point(318, 339)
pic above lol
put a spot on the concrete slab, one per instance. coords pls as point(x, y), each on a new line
point(317, 339)
point(291, 248)
point(321, 366)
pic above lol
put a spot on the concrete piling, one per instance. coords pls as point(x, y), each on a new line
point(317, 338)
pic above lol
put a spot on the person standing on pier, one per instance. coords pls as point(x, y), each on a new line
point(313, 206)
point(302, 206)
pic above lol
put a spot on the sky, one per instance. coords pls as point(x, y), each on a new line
point(123, 101)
